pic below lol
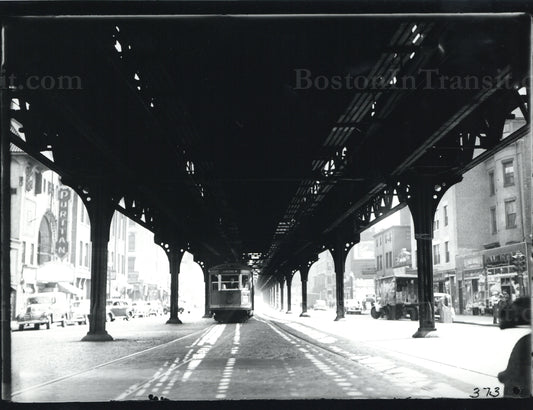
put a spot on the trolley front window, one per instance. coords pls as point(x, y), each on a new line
point(228, 282)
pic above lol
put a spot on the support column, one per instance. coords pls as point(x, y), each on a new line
point(422, 195)
point(100, 208)
point(207, 313)
point(339, 253)
point(304, 272)
point(281, 285)
point(5, 224)
point(175, 255)
point(289, 283)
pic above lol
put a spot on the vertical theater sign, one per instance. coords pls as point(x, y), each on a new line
point(62, 244)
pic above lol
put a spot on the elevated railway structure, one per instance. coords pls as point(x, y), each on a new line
point(259, 139)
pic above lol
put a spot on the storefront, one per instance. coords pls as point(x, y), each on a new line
point(502, 274)
point(471, 289)
point(445, 282)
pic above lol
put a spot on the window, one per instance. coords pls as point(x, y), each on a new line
point(82, 212)
point(492, 188)
point(436, 224)
point(447, 251)
point(508, 173)
point(445, 211)
point(510, 213)
point(32, 253)
point(87, 254)
point(131, 242)
point(23, 252)
point(229, 282)
point(493, 224)
point(38, 182)
point(123, 263)
point(81, 253)
point(436, 254)
point(131, 264)
point(214, 282)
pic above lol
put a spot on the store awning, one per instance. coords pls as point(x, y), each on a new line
point(67, 287)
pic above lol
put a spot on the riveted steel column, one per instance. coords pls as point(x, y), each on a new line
point(207, 313)
point(422, 195)
point(304, 272)
point(5, 223)
point(289, 283)
point(174, 258)
point(100, 208)
point(339, 258)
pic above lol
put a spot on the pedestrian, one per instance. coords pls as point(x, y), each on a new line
point(496, 309)
point(502, 304)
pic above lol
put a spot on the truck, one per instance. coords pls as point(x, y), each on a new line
point(396, 297)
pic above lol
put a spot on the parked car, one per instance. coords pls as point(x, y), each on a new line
point(154, 308)
point(139, 309)
point(120, 308)
point(44, 309)
point(320, 305)
point(80, 312)
point(352, 307)
point(445, 300)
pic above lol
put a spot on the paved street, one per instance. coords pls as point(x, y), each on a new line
point(272, 356)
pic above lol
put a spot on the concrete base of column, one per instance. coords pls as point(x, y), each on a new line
point(206, 316)
point(420, 333)
point(337, 318)
point(304, 314)
point(97, 337)
point(174, 321)
point(288, 312)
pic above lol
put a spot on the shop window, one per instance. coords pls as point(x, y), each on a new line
point(508, 173)
point(475, 285)
point(492, 186)
point(493, 222)
point(510, 213)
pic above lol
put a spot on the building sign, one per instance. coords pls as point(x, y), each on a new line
point(62, 223)
point(473, 262)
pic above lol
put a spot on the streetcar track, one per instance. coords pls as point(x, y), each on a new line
point(71, 375)
point(138, 386)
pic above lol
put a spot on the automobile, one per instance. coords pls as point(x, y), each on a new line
point(352, 307)
point(120, 308)
point(445, 300)
point(320, 305)
point(516, 313)
point(154, 308)
point(44, 309)
point(80, 312)
point(139, 309)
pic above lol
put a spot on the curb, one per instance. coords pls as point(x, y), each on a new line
point(476, 323)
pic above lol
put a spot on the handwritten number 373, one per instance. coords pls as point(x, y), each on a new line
point(488, 392)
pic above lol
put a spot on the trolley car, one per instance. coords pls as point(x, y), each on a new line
point(231, 292)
